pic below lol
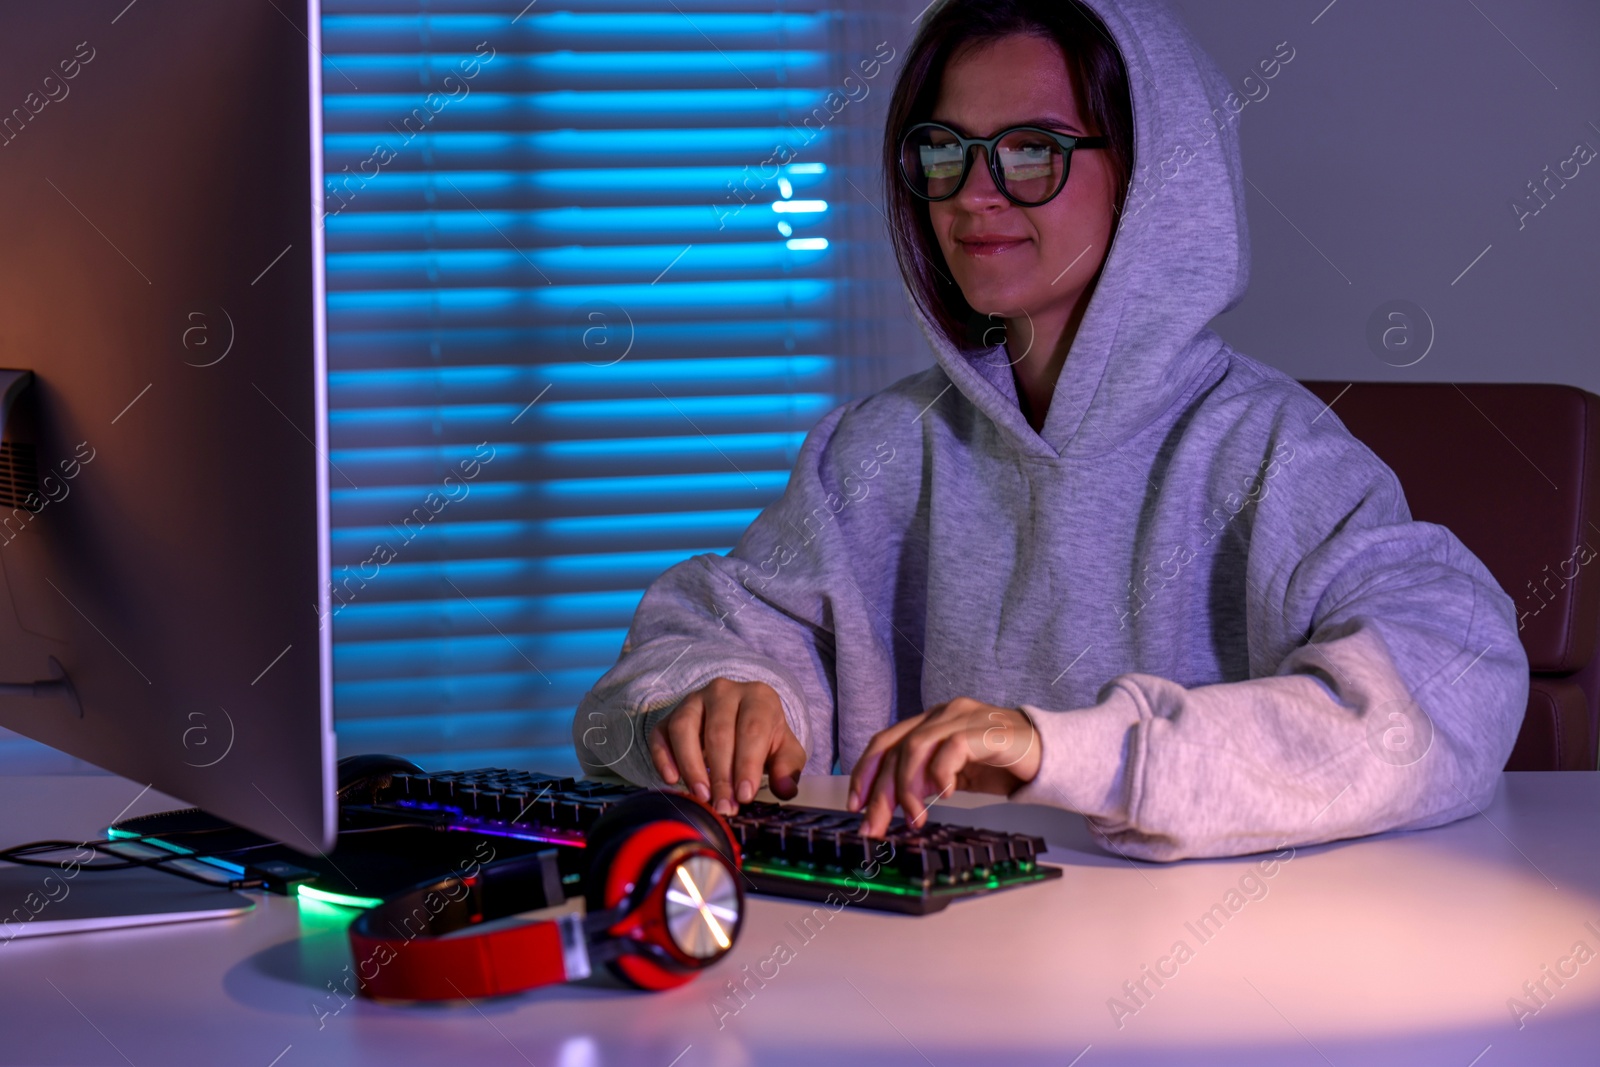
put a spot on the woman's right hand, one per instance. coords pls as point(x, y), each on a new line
point(721, 737)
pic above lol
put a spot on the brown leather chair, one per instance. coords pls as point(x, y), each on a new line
point(1514, 472)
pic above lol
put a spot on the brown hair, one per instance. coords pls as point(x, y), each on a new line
point(1099, 79)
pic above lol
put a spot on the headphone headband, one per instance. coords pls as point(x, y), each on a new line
point(664, 903)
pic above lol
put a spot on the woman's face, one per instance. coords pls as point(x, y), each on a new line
point(1048, 255)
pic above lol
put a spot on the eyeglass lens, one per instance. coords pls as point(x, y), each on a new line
point(1032, 166)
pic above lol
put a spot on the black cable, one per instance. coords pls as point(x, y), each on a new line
point(120, 862)
point(103, 844)
point(18, 854)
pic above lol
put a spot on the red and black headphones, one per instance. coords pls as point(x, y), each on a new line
point(663, 895)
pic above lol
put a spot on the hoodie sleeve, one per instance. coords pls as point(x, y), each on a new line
point(1387, 685)
point(767, 611)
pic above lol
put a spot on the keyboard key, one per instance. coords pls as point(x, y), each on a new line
point(919, 863)
point(957, 860)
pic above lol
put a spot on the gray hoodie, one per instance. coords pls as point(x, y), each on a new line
point(1210, 599)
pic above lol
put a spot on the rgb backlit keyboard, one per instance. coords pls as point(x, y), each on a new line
point(789, 850)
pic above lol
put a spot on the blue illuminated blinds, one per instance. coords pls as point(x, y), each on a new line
point(581, 315)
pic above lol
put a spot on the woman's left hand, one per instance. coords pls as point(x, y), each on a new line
point(961, 744)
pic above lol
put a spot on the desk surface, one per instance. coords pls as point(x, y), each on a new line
point(1401, 948)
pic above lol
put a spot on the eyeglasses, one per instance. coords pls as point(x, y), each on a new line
point(1028, 163)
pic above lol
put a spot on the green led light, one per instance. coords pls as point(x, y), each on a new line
point(825, 879)
point(850, 881)
point(341, 899)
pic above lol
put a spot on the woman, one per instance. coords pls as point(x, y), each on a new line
point(1095, 557)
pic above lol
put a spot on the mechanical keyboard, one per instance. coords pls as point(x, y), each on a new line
point(788, 850)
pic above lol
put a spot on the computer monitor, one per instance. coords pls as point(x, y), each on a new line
point(164, 548)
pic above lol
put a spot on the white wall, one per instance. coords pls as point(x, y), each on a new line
point(1385, 157)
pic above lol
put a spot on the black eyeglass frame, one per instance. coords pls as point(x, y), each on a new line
point(1067, 141)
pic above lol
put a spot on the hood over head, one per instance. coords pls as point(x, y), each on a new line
point(1179, 257)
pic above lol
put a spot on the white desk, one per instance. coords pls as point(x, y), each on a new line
point(1398, 949)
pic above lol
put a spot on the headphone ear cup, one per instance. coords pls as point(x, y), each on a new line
point(606, 888)
point(628, 815)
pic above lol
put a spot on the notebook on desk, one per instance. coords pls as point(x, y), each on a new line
point(35, 901)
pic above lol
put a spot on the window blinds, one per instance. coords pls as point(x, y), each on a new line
point(582, 310)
